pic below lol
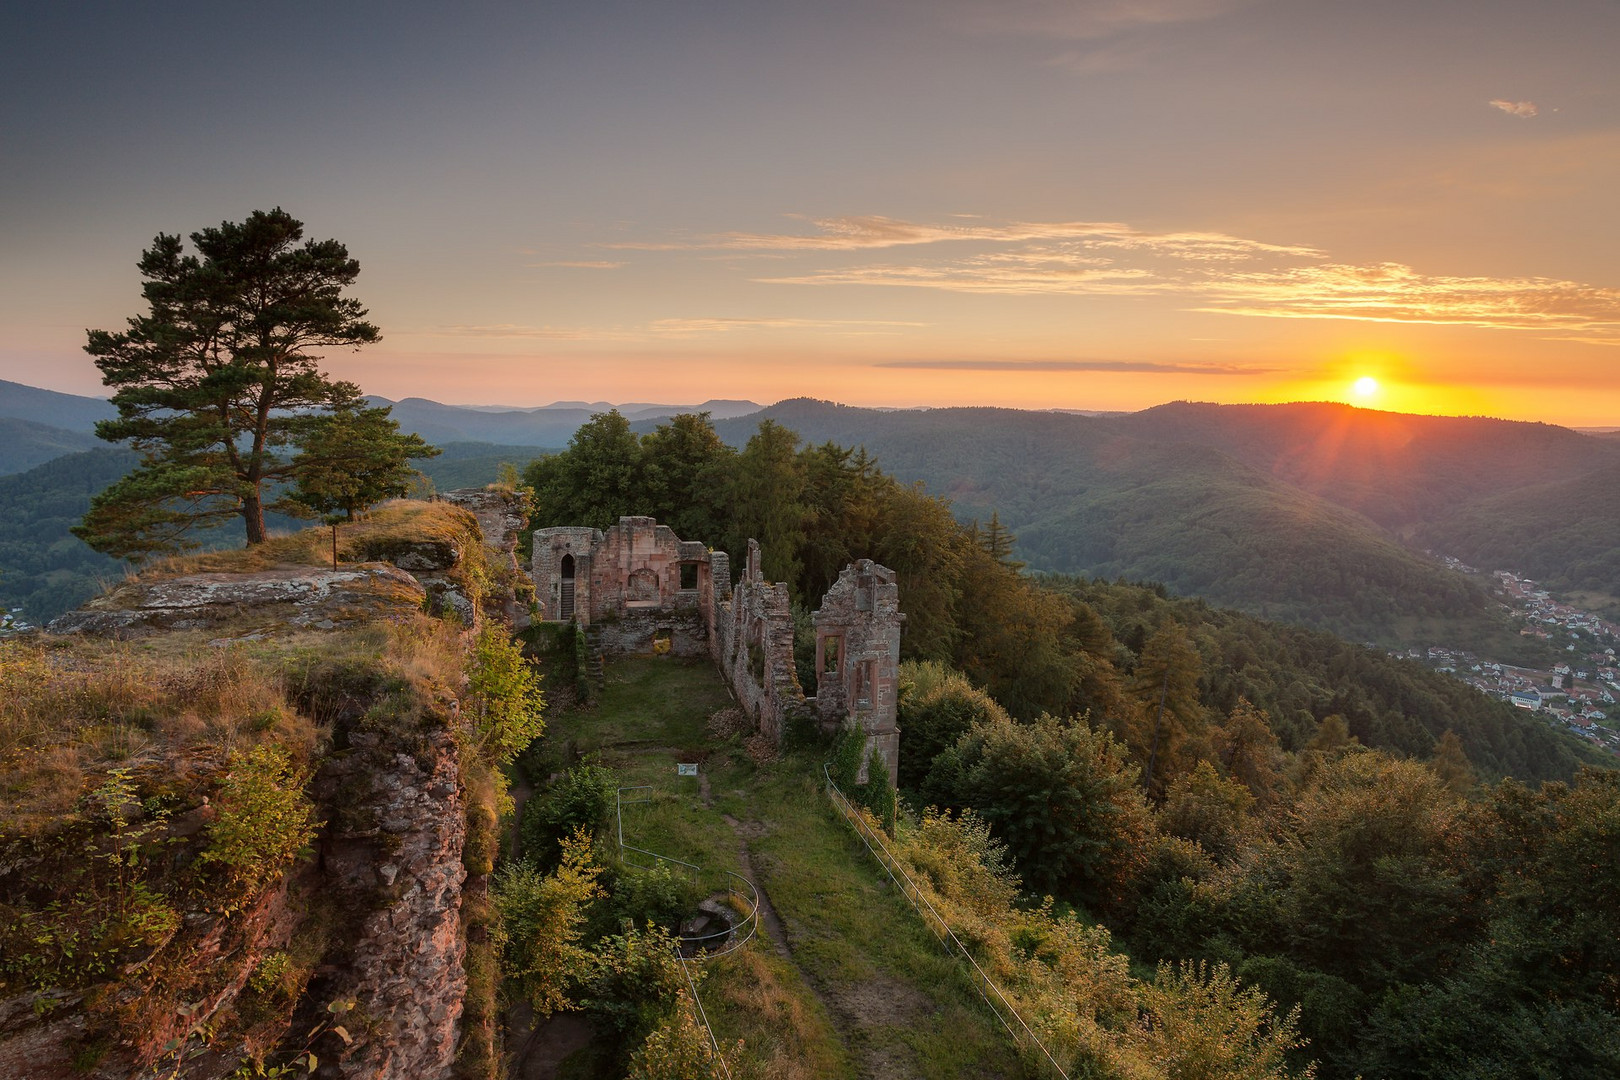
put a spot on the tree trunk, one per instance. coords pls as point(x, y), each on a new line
point(253, 518)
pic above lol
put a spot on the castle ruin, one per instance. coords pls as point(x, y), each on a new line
point(643, 590)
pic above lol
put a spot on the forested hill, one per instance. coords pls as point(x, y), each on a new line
point(44, 569)
point(1084, 495)
point(72, 412)
point(1566, 534)
point(1397, 469)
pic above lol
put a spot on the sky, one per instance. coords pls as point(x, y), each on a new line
point(1094, 204)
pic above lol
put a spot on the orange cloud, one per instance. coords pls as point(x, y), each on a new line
point(1221, 273)
point(1525, 109)
point(1146, 367)
point(862, 233)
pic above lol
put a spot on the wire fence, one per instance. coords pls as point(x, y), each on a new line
point(985, 986)
point(696, 948)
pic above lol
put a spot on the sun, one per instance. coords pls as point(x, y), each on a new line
point(1365, 387)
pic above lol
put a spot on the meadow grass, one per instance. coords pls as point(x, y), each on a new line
point(865, 990)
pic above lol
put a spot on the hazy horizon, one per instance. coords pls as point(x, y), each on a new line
point(1096, 205)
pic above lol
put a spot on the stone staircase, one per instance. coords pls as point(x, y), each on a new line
point(593, 654)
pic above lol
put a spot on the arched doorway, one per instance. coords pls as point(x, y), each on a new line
point(565, 605)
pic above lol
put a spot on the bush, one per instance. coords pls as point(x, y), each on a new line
point(657, 898)
point(581, 800)
point(541, 918)
point(506, 698)
point(263, 822)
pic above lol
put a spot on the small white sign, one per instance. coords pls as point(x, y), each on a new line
point(683, 769)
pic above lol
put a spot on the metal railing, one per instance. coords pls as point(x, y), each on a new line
point(986, 987)
point(746, 897)
point(742, 893)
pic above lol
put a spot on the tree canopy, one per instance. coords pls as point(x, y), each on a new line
point(219, 380)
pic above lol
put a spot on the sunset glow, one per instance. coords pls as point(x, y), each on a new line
point(1014, 203)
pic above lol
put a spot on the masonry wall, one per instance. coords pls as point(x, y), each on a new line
point(643, 590)
point(754, 650)
point(857, 632)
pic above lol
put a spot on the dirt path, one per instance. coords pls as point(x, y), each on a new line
point(767, 914)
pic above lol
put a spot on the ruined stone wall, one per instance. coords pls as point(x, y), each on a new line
point(628, 586)
point(552, 547)
point(502, 516)
point(857, 632)
point(755, 650)
point(393, 851)
point(637, 583)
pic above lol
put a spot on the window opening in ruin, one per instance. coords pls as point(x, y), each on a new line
point(688, 576)
point(565, 605)
point(865, 679)
point(642, 587)
point(829, 654)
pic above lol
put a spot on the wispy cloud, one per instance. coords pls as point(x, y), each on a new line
point(510, 330)
point(663, 329)
point(708, 325)
point(1129, 366)
point(1080, 20)
point(576, 264)
point(1215, 272)
point(1525, 109)
point(872, 232)
point(1391, 292)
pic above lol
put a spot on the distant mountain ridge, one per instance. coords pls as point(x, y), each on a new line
point(1300, 512)
point(549, 426)
point(72, 412)
point(1292, 512)
point(24, 444)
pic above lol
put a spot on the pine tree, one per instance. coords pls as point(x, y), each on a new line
point(220, 376)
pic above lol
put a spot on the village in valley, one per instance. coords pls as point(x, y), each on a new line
point(1581, 692)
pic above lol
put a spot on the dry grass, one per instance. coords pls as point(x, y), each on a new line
point(72, 708)
point(785, 1037)
point(400, 521)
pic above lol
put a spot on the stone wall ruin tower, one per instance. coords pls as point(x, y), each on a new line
point(643, 590)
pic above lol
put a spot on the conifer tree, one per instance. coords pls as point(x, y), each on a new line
point(1166, 685)
point(220, 376)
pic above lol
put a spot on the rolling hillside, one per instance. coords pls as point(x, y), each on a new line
point(1085, 496)
point(1396, 469)
point(1565, 535)
point(25, 443)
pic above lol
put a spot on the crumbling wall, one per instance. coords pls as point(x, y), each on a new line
point(755, 650)
point(392, 852)
point(643, 590)
point(562, 572)
point(642, 587)
point(502, 516)
point(857, 632)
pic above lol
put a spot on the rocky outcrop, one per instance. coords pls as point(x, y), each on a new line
point(393, 851)
point(502, 516)
point(296, 596)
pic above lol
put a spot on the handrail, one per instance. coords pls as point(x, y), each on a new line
point(686, 941)
point(930, 916)
point(741, 934)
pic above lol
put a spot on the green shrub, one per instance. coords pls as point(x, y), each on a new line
point(581, 799)
point(263, 822)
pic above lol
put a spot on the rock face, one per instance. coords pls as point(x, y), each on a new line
point(298, 596)
point(393, 851)
point(502, 516)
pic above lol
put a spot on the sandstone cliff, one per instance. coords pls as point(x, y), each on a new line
point(236, 799)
